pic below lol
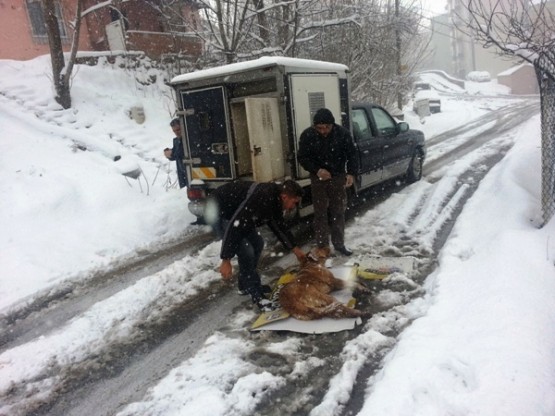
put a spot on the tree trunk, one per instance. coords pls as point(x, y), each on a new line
point(56, 54)
point(262, 21)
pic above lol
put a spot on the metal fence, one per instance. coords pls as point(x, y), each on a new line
point(545, 72)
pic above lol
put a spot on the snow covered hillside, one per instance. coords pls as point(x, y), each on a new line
point(66, 207)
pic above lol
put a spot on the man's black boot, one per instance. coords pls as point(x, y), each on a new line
point(343, 250)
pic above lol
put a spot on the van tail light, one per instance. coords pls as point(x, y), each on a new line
point(196, 193)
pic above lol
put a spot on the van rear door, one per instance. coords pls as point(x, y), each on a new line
point(207, 131)
point(309, 93)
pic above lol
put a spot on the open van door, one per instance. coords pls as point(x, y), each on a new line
point(258, 144)
point(265, 138)
point(207, 130)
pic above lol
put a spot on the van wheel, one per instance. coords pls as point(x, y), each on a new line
point(414, 172)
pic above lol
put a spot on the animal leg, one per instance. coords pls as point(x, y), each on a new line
point(338, 284)
point(360, 288)
point(333, 309)
point(337, 310)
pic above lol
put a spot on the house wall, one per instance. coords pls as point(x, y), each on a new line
point(521, 81)
point(137, 18)
point(455, 52)
point(16, 34)
point(142, 17)
point(145, 30)
point(488, 59)
point(162, 43)
point(96, 22)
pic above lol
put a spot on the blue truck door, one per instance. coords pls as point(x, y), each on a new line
point(207, 131)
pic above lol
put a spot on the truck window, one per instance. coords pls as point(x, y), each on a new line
point(361, 126)
point(384, 123)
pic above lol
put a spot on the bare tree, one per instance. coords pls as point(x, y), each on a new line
point(61, 69)
point(366, 35)
point(246, 29)
point(60, 72)
point(517, 27)
point(381, 43)
point(382, 47)
point(525, 29)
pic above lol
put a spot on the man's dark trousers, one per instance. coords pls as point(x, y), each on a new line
point(329, 199)
point(248, 255)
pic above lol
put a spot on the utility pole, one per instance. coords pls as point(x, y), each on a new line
point(398, 55)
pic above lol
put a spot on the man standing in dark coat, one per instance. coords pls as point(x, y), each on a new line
point(328, 153)
point(177, 153)
point(235, 210)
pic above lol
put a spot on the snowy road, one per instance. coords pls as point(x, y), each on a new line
point(105, 369)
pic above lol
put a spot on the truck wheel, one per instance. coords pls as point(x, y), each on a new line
point(414, 172)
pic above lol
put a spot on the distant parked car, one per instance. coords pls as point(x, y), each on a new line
point(479, 76)
point(421, 86)
point(424, 91)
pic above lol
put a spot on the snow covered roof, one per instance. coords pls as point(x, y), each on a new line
point(290, 63)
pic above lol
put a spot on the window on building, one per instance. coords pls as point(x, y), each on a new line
point(38, 22)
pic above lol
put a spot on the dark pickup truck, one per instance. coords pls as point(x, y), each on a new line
point(386, 148)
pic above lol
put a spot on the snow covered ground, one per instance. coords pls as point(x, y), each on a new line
point(481, 340)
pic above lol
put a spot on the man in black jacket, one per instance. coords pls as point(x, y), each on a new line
point(327, 152)
point(235, 210)
point(176, 153)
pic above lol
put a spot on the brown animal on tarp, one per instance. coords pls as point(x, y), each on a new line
point(306, 297)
